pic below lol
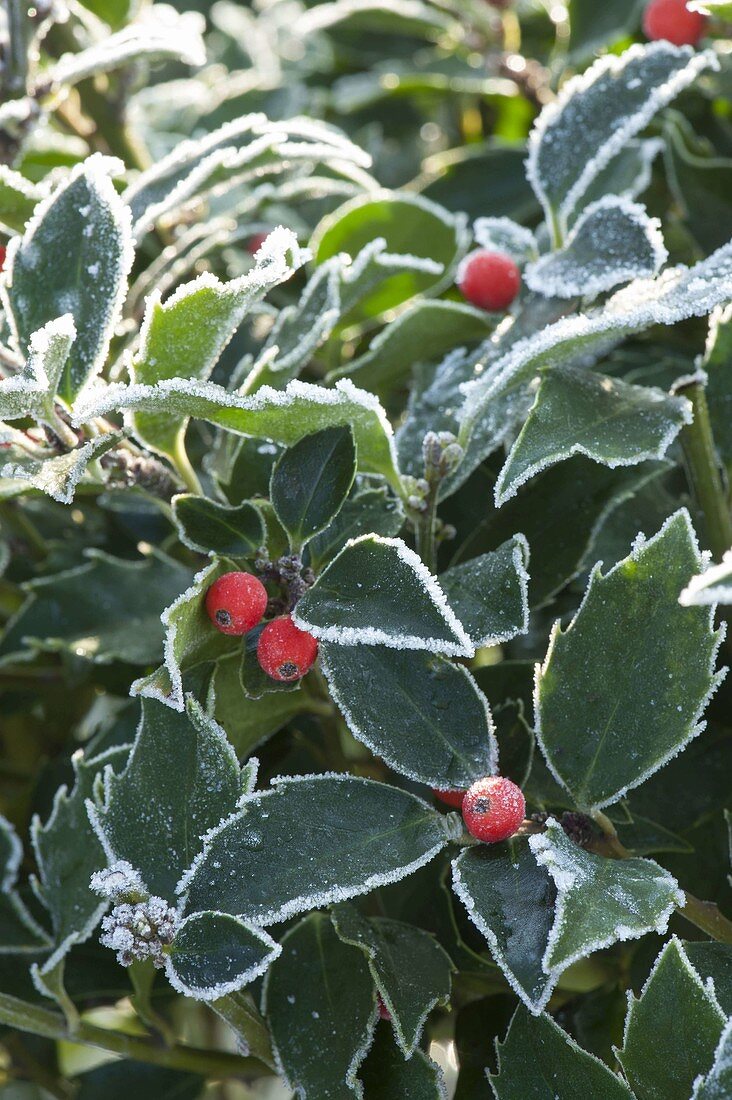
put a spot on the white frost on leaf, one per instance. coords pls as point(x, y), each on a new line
point(716, 1084)
point(505, 235)
point(238, 978)
point(612, 242)
point(58, 476)
point(710, 587)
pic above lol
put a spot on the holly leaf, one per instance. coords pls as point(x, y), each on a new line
point(121, 1079)
point(505, 235)
point(311, 481)
point(234, 531)
point(718, 1082)
point(319, 996)
point(412, 973)
point(606, 419)
point(183, 778)
point(269, 861)
point(598, 112)
point(510, 900)
point(18, 199)
point(19, 932)
point(74, 257)
point(68, 853)
point(490, 595)
point(32, 390)
point(368, 510)
point(249, 722)
point(63, 612)
point(537, 1056)
point(386, 1075)
point(378, 592)
point(184, 337)
point(671, 1030)
point(711, 587)
point(439, 729)
point(612, 242)
point(190, 639)
point(57, 477)
point(622, 689)
point(214, 954)
point(284, 416)
point(719, 391)
point(599, 901)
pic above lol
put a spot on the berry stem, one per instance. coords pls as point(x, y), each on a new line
point(183, 466)
point(703, 473)
point(425, 531)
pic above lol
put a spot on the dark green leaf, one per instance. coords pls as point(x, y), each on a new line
point(366, 511)
point(411, 971)
point(74, 257)
point(625, 684)
point(310, 482)
point(698, 180)
point(537, 1058)
point(489, 594)
point(378, 592)
point(19, 932)
point(235, 531)
point(214, 954)
point(248, 722)
point(385, 1074)
point(319, 1000)
point(671, 1031)
point(123, 1079)
point(423, 715)
point(713, 961)
point(717, 1085)
point(182, 778)
point(271, 861)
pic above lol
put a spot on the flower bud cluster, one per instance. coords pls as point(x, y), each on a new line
point(140, 931)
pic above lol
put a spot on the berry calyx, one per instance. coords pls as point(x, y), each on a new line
point(489, 280)
point(493, 809)
point(450, 798)
point(284, 651)
point(236, 602)
point(671, 21)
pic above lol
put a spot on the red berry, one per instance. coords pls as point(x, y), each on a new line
point(236, 602)
point(383, 1010)
point(255, 243)
point(493, 809)
point(489, 280)
point(284, 651)
point(451, 798)
point(3, 253)
point(671, 20)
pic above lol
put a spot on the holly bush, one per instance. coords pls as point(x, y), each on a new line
point(254, 410)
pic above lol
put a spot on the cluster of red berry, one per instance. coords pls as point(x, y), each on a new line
point(493, 808)
point(236, 603)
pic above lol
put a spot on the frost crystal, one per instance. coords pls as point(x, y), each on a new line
point(140, 931)
point(117, 881)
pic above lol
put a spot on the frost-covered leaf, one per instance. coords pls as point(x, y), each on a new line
point(423, 715)
point(284, 416)
point(234, 531)
point(713, 586)
point(622, 689)
point(425, 331)
point(496, 400)
point(74, 257)
point(59, 475)
point(581, 412)
point(181, 779)
point(214, 954)
point(185, 336)
point(697, 176)
point(599, 901)
point(510, 899)
point(387, 1075)
point(68, 853)
point(629, 172)
point(489, 594)
point(411, 17)
point(18, 199)
point(717, 1084)
point(378, 592)
point(598, 112)
point(105, 610)
point(162, 34)
point(319, 1000)
point(505, 235)
point(19, 932)
point(715, 363)
point(311, 481)
point(537, 1057)
point(32, 390)
point(368, 510)
point(414, 229)
point(248, 722)
point(243, 149)
point(411, 971)
point(671, 1030)
point(612, 242)
point(190, 638)
point(270, 861)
